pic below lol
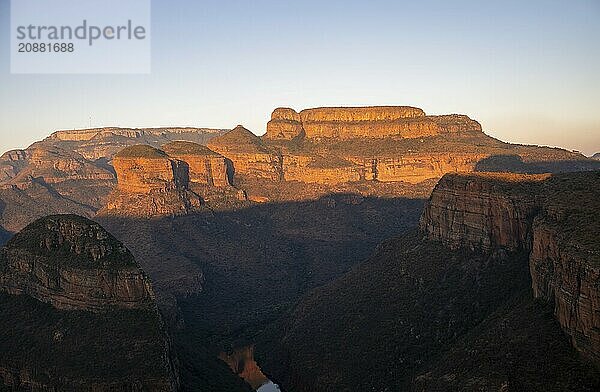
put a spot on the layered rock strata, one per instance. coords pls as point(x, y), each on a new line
point(205, 166)
point(71, 293)
point(248, 154)
point(552, 218)
point(73, 263)
point(364, 122)
point(150, 183)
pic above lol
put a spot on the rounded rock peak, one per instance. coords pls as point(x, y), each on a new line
point(73, 241)
point(285, 114)
point(141, 151)
point(181, 147)
point(238, 135)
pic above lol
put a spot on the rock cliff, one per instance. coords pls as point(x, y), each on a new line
point(364, 122)
point(249, 155)
point(104, 143)
point(73, 263)
point(205, 166)
point(70, 293)
point(552, 218)
point(150, 183)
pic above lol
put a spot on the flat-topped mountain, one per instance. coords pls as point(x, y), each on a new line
point(363, 122)
point(77, 313)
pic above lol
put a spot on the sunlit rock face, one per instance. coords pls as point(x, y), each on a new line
point(552, 218)
point(248, 153)
point(142, 169)
point(364, 122)
point(150, 183)
point(205, 166)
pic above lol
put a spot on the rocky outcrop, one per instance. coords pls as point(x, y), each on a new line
point(73, 263)
point(70, 293)
point(364, 122)
point(150, 183)
point(483, 210)
point(205, 166)
point(50, 163)
point(104, 143)
point(248, 154)
point(143, 169)
point(551, 218)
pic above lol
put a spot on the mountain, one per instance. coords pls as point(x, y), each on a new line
point(596, 156)
point(71, 171)
point(497, 291)
point(78, 313)
point(233, 233)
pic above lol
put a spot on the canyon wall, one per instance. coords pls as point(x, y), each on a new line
point(248, 154)
point(71, 293)
point(363, 122)
point(97, 273)
point(551, 218)
point(205, 166)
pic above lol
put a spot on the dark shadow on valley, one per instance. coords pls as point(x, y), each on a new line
point(515, 164)
point(258, 261)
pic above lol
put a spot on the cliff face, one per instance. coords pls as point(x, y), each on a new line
point(50, 163)
point(552, 218)
point(150, 183)
point(205, 166)
point(104, 143)
point(361, 122)
point(70, 292)
point(73, 263)
point(249, 155)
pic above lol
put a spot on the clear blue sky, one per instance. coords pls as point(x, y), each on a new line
point(527, 70)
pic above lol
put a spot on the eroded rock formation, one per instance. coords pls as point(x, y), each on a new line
point(552, 218)
point(250, 156)
point(364, 122)
point(150, 183)
point(71, 293)
point(73, 263)
point(205, 166)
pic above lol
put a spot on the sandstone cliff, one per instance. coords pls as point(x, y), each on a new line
point(73, 263)
point(551, 218)
point(104, 143)
point(150, 183)
point(70, 293)
point(369, 122)
point(205, 166)
point(249, 155)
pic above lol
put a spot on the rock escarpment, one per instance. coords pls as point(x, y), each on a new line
point(150, 183)
point(104, 143)
point(552, 218)
point(364, 122)
point(73, 263)
point(249, 155)
point(71, 294)
point(205, 166)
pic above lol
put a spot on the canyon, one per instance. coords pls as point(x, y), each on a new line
point(283, 247)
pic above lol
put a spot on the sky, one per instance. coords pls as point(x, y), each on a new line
point(528, 71)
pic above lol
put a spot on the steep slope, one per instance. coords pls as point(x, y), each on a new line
point(205, 166)
point(77, 313)
point(455, 311)
point(104, 143)
point(248, 154)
